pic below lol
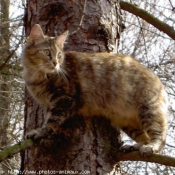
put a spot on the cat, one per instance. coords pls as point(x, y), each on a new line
point(112, 85)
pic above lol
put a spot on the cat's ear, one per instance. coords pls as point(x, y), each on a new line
point(60, 40)
point(36, 34)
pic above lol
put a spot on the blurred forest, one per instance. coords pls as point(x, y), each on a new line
point(139, 39)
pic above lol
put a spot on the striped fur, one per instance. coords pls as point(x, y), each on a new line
point(112, 85)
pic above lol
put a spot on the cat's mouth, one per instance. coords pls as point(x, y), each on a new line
point(52, 69)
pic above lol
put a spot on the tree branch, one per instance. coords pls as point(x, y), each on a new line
point(120, 156)
point(12, 150)
point(149, 18)
point(155, 158)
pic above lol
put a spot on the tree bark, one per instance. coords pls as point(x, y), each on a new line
point(88, 147)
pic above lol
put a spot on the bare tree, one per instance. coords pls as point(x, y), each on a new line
point(10, 88)
point(4, 76)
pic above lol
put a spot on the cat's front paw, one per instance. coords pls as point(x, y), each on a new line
point(146, 151)
point(38, 134)
point(35, 134)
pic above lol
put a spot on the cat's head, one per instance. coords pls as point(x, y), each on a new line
point(43, 52)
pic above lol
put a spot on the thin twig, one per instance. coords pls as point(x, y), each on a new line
point(82, 18)
point(173, 8)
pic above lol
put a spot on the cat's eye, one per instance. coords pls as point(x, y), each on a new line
point(47, 52)
point(59, 55)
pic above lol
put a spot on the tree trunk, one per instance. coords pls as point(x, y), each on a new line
point(94, 27)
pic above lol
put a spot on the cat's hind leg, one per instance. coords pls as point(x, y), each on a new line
point(154, 123)
point(150, 137)
point(137, 135)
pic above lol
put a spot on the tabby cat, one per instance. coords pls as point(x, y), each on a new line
point(112, 85)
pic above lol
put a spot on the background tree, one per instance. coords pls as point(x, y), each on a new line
point(10, 86)
point(94, 27)
point(4, 78)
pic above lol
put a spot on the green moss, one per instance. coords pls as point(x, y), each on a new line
point(12, 150)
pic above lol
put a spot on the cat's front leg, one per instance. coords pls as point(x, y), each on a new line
point(52, 126)
point(55, 118)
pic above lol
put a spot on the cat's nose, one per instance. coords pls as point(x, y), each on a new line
point(54, 63)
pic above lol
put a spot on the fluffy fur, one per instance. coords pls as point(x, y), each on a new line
point(91, 84)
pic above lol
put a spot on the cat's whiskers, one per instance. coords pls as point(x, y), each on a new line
point(63, 73)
